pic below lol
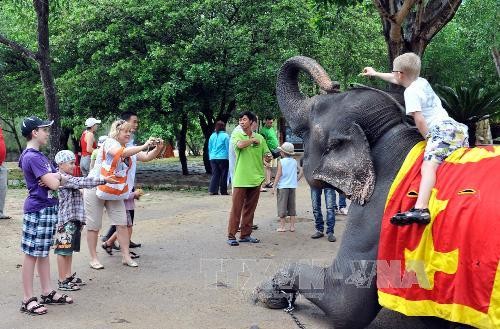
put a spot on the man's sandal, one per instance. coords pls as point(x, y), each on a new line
point(250, 239)
point(232, 242)
point(49, 299)
point(33, 309)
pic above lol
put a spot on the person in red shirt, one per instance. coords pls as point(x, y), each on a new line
point(3, 176)
point(88, 144)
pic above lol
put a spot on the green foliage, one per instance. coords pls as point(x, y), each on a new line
point(351, 39)
point(461, 53)
point(469, 104)
point(212, 58)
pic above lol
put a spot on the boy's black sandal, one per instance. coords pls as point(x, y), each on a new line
point(67, 285)
point(32, 310)
point(49, 299)
point(73, 279)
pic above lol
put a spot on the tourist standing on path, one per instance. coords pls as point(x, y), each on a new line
point(119, 136)
point(133, 120)
point(71, 218)
point(341, 209)
point(251, 151)
point(330, 203)
point(232, 155)
point(3, 176)
point(285, 184)
point(88, 144)
point(218, 153)
point(40, 216)
point(269, 134)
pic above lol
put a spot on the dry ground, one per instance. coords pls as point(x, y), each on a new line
point(187, 277)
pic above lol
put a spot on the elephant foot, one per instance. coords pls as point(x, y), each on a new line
point(275, 293)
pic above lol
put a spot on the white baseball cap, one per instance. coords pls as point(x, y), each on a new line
point(90, 122)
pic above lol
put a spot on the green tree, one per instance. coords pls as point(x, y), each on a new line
point(408, 25)
point(43, 59)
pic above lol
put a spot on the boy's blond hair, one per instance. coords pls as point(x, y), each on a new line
point(409, 64)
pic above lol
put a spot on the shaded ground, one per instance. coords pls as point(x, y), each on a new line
point(188, 277)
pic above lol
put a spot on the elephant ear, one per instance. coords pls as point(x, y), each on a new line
point(347, 165)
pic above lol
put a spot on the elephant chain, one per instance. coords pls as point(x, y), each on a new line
point(290, 308)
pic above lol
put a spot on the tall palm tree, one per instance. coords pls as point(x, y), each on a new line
point(470, 104)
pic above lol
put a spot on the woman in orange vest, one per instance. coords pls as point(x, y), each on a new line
point(88, 144)
point(115, 159)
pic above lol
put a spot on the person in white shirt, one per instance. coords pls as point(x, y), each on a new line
point(443, 134)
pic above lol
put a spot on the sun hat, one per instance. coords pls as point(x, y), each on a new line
point(64, 156)
point(32, 123)
point(90, 122)
point(287, 148)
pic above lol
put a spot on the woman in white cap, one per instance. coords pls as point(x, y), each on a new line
point(88, 144)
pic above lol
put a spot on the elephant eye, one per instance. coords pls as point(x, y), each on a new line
point(332, 144)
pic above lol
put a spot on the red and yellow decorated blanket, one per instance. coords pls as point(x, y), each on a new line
point(450, 267)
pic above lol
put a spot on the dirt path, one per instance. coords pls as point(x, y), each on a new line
point(188, 277)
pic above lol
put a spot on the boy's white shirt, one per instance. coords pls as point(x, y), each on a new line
point(419, 97)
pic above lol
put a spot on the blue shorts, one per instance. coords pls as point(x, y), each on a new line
point(38, 231)
point(443, 139)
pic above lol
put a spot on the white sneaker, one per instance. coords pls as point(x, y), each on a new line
point(343, 211)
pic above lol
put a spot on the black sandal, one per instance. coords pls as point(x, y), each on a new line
point(49, 299)
point(109, 249)
point(133, 255)
point(32, 310)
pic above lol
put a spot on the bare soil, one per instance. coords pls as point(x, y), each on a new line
point(188, 277)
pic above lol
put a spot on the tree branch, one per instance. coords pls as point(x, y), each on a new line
point(403, 12)
point(18, 48)
point(383, 12)
point(441, 17)
point(8, 123)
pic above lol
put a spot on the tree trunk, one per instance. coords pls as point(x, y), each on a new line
point(472, 133)
point(12, 126)
point(44, 66)
point(410, 25)
point(182, 144)
point(496, 59)
point(65, 135)
point(207, 122)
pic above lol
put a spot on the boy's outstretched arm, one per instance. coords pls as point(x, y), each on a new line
point(371, 72)
point(82, 182)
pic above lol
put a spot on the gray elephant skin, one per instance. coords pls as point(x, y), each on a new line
point(356, 142)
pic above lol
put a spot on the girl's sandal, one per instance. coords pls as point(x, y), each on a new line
point(49, 299)
point(33, 309)
point(108, 249)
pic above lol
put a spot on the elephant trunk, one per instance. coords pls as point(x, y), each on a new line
point(294, 105)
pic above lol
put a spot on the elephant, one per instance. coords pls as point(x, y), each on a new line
point(354, 141)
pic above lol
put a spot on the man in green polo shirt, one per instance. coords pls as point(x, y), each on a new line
point(251, 152)
point(271, 138)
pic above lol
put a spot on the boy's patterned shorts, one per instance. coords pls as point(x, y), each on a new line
point(68, 238)
point(445, 138)
point(38, 230)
